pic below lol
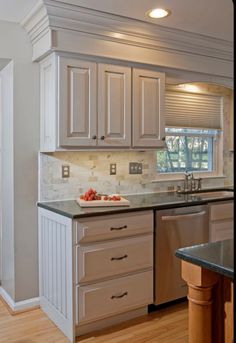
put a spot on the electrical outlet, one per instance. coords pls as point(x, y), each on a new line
point(113, 169)
point(65, 171)
point(135, 168)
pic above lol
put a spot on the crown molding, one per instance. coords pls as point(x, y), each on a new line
point(54, 20)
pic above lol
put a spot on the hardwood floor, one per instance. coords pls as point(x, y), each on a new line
point(167, 325)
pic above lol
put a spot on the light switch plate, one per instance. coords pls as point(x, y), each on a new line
point(135, 168)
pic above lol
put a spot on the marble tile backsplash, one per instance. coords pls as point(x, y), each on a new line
point(92, 169)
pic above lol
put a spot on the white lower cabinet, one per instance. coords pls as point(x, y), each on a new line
point(221, 221)
point(94, 273)
point(114, 296)
point(109, 259)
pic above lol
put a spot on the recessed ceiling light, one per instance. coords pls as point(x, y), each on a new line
point(158, 13)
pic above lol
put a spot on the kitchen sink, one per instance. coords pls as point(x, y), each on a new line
point(213, 194)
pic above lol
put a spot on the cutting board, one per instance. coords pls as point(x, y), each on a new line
point(103, 203)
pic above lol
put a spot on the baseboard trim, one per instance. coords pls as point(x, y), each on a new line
point(19, 306)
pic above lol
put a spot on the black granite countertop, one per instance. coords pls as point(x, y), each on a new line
point(138, 202)
point(215, 256)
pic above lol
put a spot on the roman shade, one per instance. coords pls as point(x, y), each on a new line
point(190, 110)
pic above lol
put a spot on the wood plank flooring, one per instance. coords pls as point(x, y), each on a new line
point(167, 325)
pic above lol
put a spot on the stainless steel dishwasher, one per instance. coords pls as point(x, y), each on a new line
point(176, 228)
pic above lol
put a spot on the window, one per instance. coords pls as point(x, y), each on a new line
point(187, 149)
point(193, 134)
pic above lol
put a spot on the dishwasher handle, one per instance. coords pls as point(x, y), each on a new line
point(184, 216)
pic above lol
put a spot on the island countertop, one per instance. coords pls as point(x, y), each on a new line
point(216, 256)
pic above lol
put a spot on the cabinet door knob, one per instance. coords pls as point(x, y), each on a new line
point(94, 137)
point(163, 138)
point(102, 138)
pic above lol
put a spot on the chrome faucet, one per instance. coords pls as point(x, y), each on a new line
point(190, 183)
point(186, 180)
point(199, 183)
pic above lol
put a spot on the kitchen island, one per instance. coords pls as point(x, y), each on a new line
point(208, 270)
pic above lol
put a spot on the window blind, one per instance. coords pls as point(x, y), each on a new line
point(190, 110)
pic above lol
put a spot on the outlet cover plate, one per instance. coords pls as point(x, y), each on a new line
point(113, 169)
point(65, 171)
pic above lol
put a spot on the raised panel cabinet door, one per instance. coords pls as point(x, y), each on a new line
point(148, 108)
point(114, 106)
point(77, 103)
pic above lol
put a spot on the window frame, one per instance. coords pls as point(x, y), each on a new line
point(217, 160)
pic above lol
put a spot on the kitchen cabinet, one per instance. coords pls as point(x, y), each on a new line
point(95, 269)
point(94, 104)
point(77, 103)
point(221, 223)
point(114, 106)
point(148, 108)
point(85, 104)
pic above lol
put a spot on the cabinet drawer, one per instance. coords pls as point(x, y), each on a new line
point(222, 211)
point(112, 297)
point(221, 230)
point(113, 258)
point(113, 226)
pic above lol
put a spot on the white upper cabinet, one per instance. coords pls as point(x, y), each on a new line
point(114, 105)
point(86, 104)
point(148, 108)
point(77, 101)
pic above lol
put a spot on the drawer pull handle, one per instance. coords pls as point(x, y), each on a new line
point(119, 296)
point(118, 228)
point(119, 258)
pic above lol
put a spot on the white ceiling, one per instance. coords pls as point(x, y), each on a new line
point(209, 17)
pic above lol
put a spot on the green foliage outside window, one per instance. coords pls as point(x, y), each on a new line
point(186, 152)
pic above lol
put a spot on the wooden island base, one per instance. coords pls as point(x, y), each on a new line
point(210, 297)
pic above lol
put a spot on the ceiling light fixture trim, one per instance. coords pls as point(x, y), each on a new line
point(158, 13)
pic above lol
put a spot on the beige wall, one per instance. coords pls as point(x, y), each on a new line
point(20, 261)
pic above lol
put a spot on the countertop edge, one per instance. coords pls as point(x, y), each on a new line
point(117, 210)
point(205, 264)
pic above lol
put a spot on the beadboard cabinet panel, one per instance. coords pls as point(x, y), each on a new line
point(56, 270)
